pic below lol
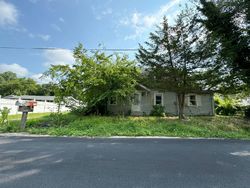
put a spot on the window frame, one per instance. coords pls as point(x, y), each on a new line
point(194, 100)
point(134, 99)
point(115, 99)
point(158, 94)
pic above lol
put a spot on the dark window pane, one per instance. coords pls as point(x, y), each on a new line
point(192, 100)
point(158, 99)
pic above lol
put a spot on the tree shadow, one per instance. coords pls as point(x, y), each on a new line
point(19, 161)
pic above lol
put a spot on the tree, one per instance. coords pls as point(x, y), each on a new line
point(12, 85)
point(45, 89)
point(229, 24)
point(177, 58)
point(95, 78)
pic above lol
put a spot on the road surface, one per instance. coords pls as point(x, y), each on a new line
point(29, 162)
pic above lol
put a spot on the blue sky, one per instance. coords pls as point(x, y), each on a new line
point(65, 23)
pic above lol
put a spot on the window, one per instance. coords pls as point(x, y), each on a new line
point(113, 100)
point(158, 99)
point(136, 99)
point(192, 100)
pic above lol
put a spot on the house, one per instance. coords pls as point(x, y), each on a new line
point(143, 100)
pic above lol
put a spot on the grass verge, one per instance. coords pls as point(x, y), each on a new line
point(72, 125)
point(30, 116)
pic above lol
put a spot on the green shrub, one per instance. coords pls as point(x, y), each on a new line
point(225, 106)
point(4, 115)
point(79, 110)
point(157, 110)
point(226, 110)
point(57, 119)
point(247, 112)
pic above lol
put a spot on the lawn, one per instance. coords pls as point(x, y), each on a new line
point(31, 116)
point(72, 125)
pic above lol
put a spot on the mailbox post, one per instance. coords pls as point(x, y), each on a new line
point(25, 108)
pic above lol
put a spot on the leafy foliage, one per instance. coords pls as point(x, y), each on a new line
point(158, 110)
point(222, 127)
point(95, 78)
point(45, 89)
point(247, 112)
point(226, 105)
point(4, 115)
point(10, 84)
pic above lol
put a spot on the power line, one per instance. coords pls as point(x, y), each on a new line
point(55, 48)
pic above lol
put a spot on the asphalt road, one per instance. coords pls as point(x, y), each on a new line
point(27, 162)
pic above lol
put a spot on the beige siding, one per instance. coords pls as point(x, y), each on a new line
point(205, 104)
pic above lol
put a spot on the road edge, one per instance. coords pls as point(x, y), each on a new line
point(24, 134)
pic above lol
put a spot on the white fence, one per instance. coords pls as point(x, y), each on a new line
point(40, 108)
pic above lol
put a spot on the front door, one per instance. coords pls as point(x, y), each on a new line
point(136, 102)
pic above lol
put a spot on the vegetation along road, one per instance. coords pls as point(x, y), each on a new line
point(73, 125)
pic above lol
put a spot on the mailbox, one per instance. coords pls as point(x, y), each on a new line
point(26, 106)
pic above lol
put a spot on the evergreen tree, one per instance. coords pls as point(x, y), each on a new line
point(177, 57)
point(229, 24)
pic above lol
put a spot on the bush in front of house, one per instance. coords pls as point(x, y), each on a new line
point(247, 112)
point(157, 110)
point(226, 110)
point(225, 106)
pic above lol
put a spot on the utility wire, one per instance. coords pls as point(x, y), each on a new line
point(54, 48)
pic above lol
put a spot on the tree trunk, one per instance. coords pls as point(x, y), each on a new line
point(59, 107)
point(181, 105)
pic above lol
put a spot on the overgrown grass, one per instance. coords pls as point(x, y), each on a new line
point(30, 116)
point(72, 125)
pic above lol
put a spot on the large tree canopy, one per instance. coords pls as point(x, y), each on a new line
point(95, 78)
point(229, 24)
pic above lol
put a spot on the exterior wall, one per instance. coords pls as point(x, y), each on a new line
point(206, 106)
point(169, 102)
point(40, 108)
point(147, 100)
point(119, 108)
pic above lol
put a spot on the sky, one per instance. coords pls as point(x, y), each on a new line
point(65, 23)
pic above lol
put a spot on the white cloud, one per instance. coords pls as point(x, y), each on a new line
point(39, 78)
point(142, 23)
point(44, 37)
point(16, 68)
point(33, 1)
point(31, 35)
point(58, 57)
point(61, 19)
point(100, 12)
point(107, 11)
point(56, 27)
point(8, 14)
point(39, 36)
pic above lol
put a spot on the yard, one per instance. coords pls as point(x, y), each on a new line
point(73, 125)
